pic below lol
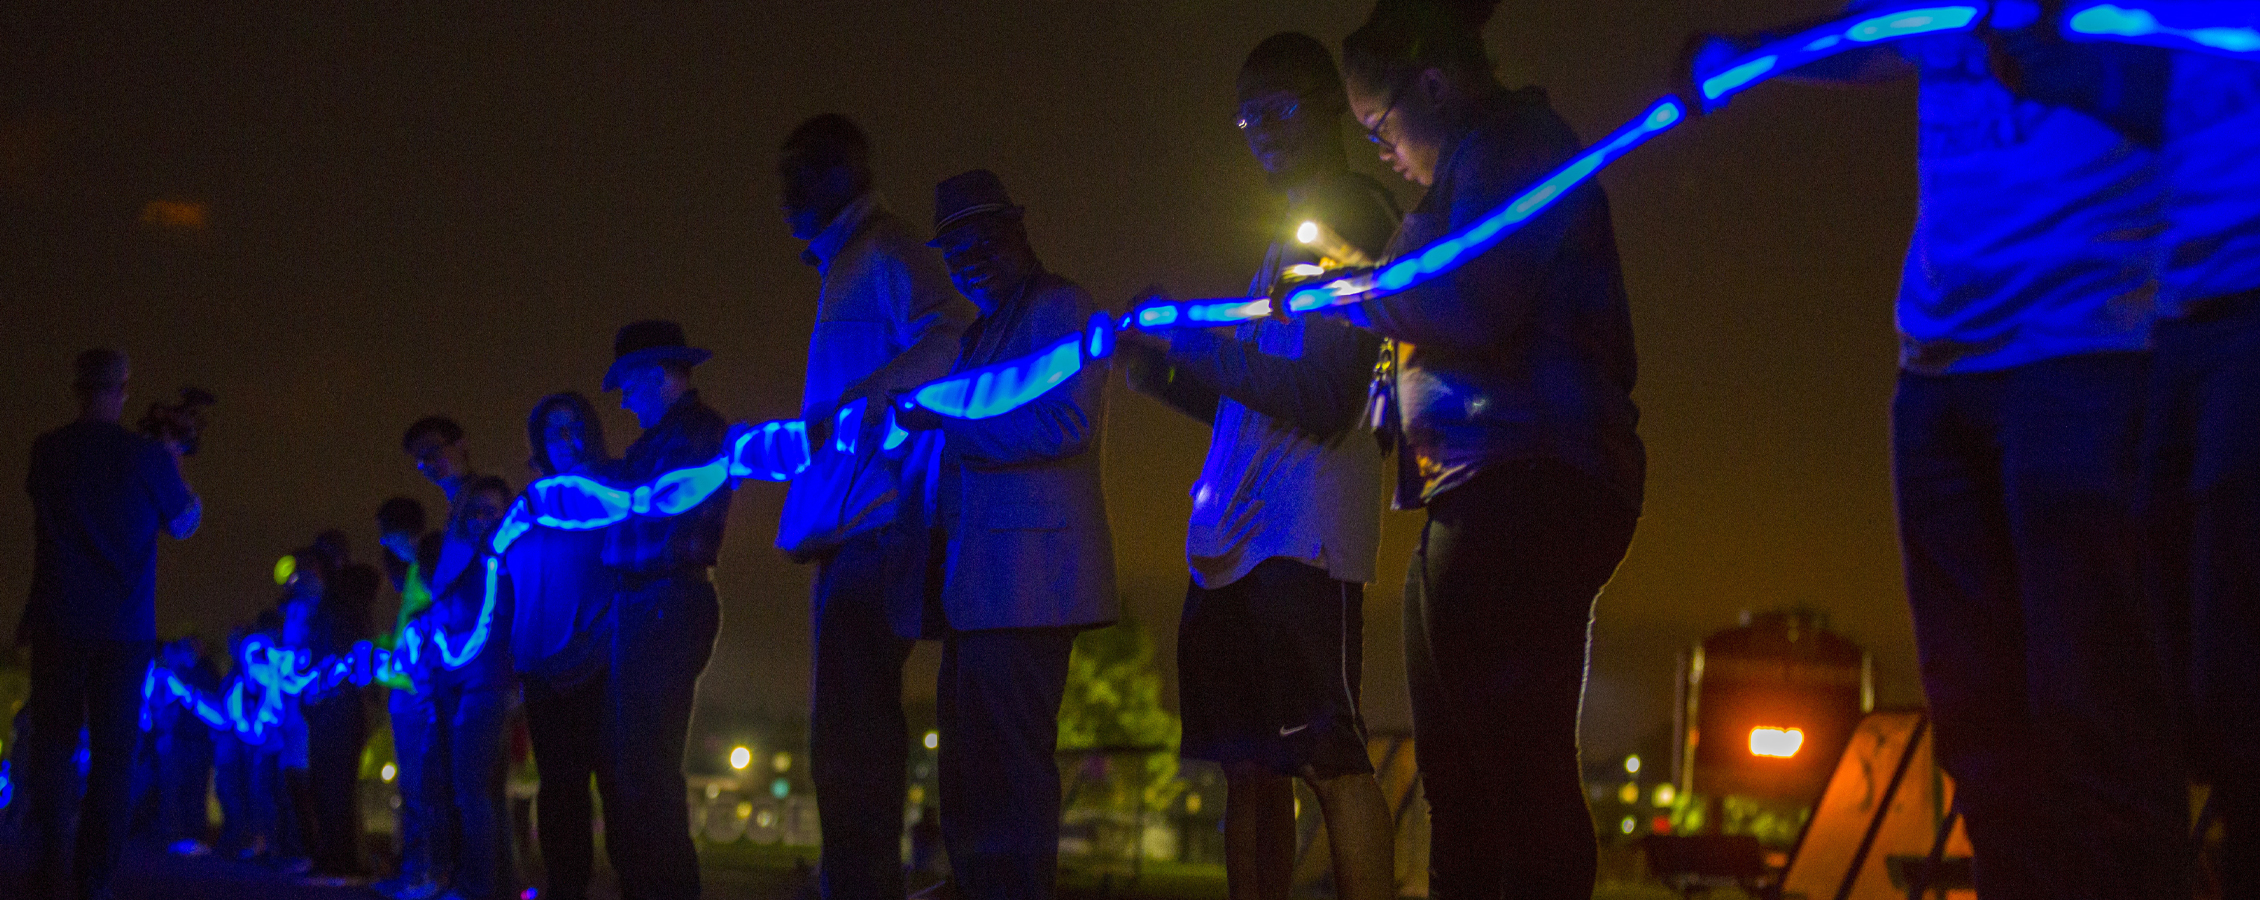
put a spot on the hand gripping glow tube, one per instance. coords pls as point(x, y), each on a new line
point(1751, 69)
point(455, 657)
point(2225, 27)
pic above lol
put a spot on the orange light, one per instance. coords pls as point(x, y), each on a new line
point(184, 214)
point(1780, 743)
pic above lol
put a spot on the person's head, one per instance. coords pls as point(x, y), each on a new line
point(821, 168)
point(402, 517)
point(1290, 108)
point(982, 239)
point(1413, 71)
point(336, 549)
point(564, 433)
point(651, 368)
point(99, 378)
point(485, 499)
point(435, 445)
point(310, 574)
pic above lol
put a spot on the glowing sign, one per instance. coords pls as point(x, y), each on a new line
point(1779, 743)
point(2232, 28)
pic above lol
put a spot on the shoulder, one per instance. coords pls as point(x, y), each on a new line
point(1518, 129)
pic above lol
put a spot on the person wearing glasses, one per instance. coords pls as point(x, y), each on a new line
point(1018, 556)
point(1507, 393)
point(1287, 512)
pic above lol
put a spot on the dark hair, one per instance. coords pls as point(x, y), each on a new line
point(591, 429)
point(401, 514)
point(1403, 37)
point(1294, 62)
point(443, 426)
point(486, 483)
point(333, 544)
point(831, 141)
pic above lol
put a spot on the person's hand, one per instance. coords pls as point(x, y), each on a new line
point(1701, 56)
point(1136, 337)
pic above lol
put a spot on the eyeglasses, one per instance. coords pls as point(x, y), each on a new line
point(1255, 115)
point(1374, 133)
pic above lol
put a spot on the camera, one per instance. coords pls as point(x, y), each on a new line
point(181, 422)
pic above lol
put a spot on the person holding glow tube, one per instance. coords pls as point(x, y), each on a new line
point(1506, 392)
point(437, 447)
point(1015, 550)
point(2025, 312)
point(1287, 511)
point(470, 698)
point(411, 553)
point(563, 601)
point(886, 319)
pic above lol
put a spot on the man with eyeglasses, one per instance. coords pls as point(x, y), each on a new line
point(1287, 512)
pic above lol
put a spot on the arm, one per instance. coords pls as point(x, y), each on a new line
point(181, 509)
point(1321, 392)
point(1061, 423)
point(1472, 305)
point(1149, 372)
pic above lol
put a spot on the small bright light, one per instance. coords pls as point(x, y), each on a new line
point(740, 758)
point(388, 772)
point(1193, 803)
point(1780, 743)
point(1632, 765)
point(1307, 232)
point(1628, 826)
point(917, 794)
point(285, 568)
point(1666, 795)
point(1305, 270)
point(1629, 794)
point(779, 788)
point(933, 740)
point(713, 791)
point(745, 809)
point(781, 762)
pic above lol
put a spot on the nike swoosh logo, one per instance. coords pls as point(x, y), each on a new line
point(1285, 731)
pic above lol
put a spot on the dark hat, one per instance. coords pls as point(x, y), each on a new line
point(100, 368)
point(961, 197)
point(649, 342)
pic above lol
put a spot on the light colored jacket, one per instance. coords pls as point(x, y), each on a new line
point(1020, 505)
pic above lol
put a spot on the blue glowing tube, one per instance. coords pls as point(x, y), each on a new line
point(2222, 27)
point(682, 490)
point(454, 658)
point(1001, 388)
point(7, 786)
point(1751, 69)
point(770, 451)
point(1098, 337)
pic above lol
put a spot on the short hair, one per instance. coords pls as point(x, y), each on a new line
point(401, 514)
point(1403, 37)
point(99, 369)
point(448, 431)
point(831, 140)
point(1294, 62)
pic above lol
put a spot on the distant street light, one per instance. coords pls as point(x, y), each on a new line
point(740, 758)
point(1779, 743)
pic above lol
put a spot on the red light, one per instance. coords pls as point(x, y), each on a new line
point(1660, 825)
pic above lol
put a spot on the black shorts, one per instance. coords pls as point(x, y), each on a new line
point(1268, 672)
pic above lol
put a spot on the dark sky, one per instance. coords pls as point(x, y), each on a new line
point(408, 211)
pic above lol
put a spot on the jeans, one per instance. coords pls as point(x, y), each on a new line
point(339, 728)
point(858, 742)
point(94, 685)
point(425, 848)
point(1498, 606)
point(2200, 501)
point(567, 735)
point(469, 752)
point(662, 638)
point(231, 782)
point(999, 695)
point(2041, 667)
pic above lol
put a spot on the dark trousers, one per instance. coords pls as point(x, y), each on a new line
point(186, 755)
point(999, 694)
point(426, 853)
point(337, 728)
point(1497, 609)
point(469, 751)
point(858, 741)
point(662, 638)
point(565, 725)
point(231, 782)
point(94, 685)
point(2201, 502)
point(2042, 671)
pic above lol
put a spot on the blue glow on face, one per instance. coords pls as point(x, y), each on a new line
point(1726, 82)
point(1159, 315)
point(1004, 387)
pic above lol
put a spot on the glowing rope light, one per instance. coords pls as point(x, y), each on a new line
point(7, 785)
point(2232, 29)
point(1006, 386)
point(1751, 69)
point(454, 658)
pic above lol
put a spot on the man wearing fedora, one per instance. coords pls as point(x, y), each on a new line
point(665, 610)
point(1020, 554)
point(886, 319)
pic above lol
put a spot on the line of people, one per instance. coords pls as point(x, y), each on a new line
point(2074, 451)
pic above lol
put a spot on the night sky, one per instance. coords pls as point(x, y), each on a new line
point(369, 211)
